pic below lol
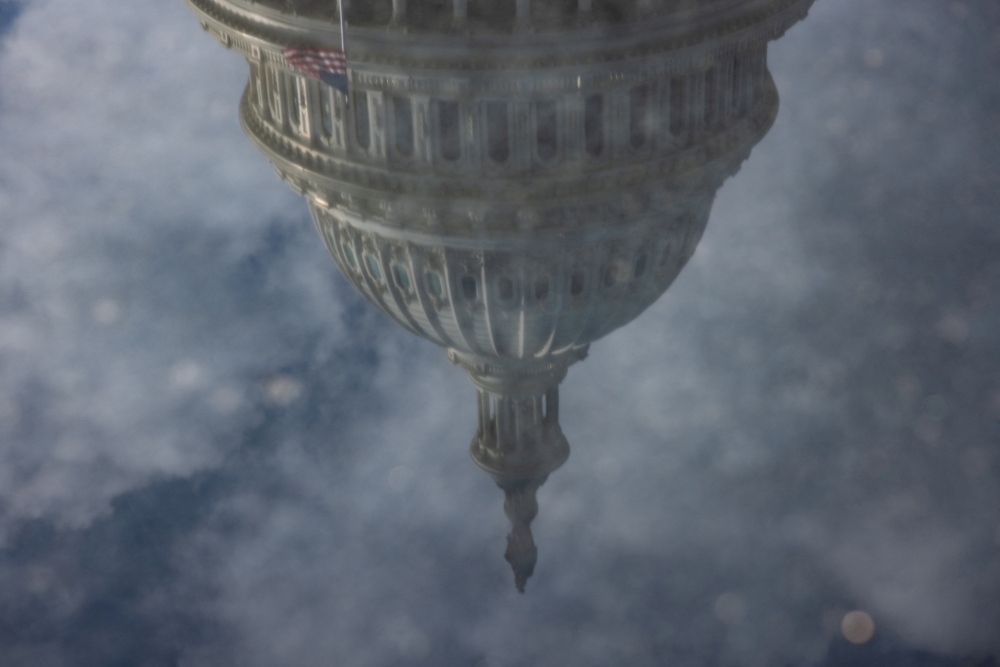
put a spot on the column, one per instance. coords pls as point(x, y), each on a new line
point(461, 11)
point(398, 12)
point(523, 20)
point(423, 132)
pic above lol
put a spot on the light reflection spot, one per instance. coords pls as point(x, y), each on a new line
point(857, 626)
point(282, 390)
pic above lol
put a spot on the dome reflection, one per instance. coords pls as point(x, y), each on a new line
point(509, 179)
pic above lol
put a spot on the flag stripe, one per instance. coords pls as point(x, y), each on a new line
point(314, 61)
point(327, 65)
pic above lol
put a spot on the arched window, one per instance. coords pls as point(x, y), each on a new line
point(576, 284)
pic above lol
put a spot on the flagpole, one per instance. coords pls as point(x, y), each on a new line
point(340, 10)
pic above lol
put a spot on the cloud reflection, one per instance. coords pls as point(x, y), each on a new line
point(747, 402)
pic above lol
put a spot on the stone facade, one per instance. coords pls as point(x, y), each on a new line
point(506, 195)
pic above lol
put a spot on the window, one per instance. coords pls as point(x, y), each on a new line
point(361, 119)
point(709, 97)
point(505, 289)
point(299, 114)
point(451, 146)
point(545, 117)
point(469, 288)
point(739, 107)
point(496, 131)
point(402, 277)
point(326, 113)
point(640, 265)
point(637, 116)
point(610, 275)
point(434, 284)
point(373, 268)
point(349, 253)
point(593, 124)
point(274, 94)
point(403, 109)
point(541, 288)
point(677, 106)
point(576, 283)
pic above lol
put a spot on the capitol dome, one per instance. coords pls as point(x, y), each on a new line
point(511, 180)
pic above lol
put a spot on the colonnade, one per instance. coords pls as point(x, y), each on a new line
point(504, 136)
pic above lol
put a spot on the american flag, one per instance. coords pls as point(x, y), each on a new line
point(327, 65)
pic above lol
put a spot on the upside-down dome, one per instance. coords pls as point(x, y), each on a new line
point(510, 179)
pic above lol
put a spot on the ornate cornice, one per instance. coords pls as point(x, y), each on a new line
point(246, 27)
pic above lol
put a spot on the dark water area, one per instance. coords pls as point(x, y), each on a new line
point(588, 333)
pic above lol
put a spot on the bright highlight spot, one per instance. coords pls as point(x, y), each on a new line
point(282, 390)
point(857, 626)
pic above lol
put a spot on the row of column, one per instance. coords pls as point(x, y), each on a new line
point(501, 136)
point(460, 11)
point(518, 426)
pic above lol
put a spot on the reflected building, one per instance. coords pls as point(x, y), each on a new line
point(510, 179)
